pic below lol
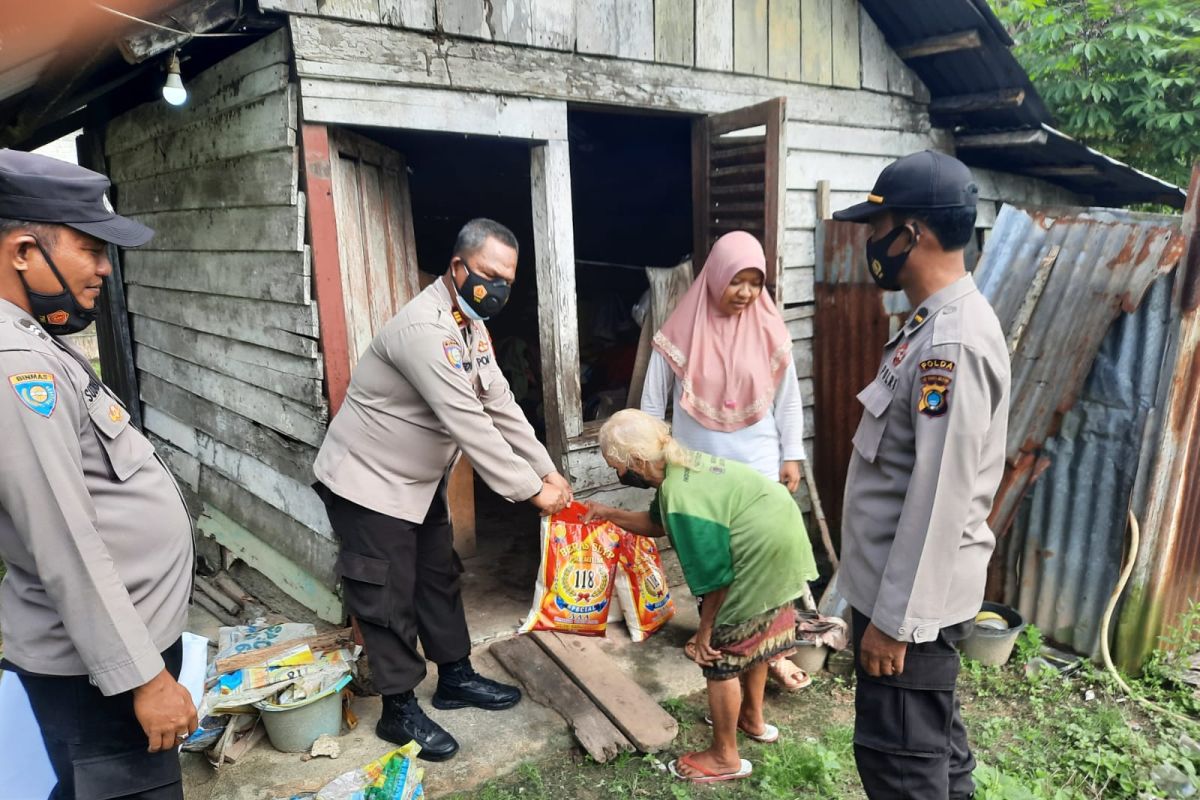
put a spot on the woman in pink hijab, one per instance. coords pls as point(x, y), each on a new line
point(723, 360)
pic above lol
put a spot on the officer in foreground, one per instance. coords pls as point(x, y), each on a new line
point(928, 458)
point(93, 530)
point(427, 389)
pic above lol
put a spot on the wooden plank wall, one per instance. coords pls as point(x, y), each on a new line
point(814, 41)
point(224, 323)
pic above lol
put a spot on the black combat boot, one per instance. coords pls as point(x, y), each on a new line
point(459, 686)
point(403, 721)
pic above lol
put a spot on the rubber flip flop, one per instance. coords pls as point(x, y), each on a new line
point(707, 776)
point(782, 683)
point(770, 734)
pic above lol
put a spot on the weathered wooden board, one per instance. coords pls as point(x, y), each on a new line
point(289, 6)
point(145, 41)
point(464, 18)
point(860, 141)
point(313, 592)
point(635, 713)
point(418, 14)
point(846, 60)
point(267, 123)
point(156, 119)
point(554, 24)
point(799, 248)
point(283, 277)
point(635, 29)
point(185, 467)
point(257, 366)
point(271, 228)
point(180, 434)
point(714, 35)
point(264, 179)
point(511, 21)
point(554, 247)
point(596, 27)
point(674, 31)
point(798, 284)
point(751, 43)
point(332, 50)
point(816, 41)
point(844, 171)
point(346, 103)
point(267, 408)
point(358, 10)
point(546, 683)
point(783, 55)
point(285, 454)
point(874, 52)
point(280, 326)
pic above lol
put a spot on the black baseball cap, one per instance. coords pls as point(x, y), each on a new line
point(36, 188)
point(922, 180)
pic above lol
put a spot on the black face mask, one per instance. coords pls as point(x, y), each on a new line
point(60, 314)
point(485, 298)
point(634, 479)
point(884, 268)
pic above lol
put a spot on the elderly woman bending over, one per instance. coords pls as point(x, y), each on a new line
point(742, 544)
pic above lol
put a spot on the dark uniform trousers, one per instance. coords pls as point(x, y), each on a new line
point(96, 744)
point(909, 738)
point(401, 581)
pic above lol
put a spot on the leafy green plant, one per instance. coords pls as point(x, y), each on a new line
point(1029, 644)
point(1123, 76)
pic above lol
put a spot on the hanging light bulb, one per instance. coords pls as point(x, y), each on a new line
point(173, 90)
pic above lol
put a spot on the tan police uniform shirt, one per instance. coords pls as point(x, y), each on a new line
point(928, 457)
point(425, 390)
point(93, 529)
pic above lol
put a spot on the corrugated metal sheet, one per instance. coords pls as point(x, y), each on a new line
point(1064, 550)
point(1058, 278)
point(850, 325)
point(1166, 577)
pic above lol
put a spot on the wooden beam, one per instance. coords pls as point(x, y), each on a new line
point(1082, 171)
point(953, 105)
point(554, 247)
point(936, 45)
point(323, 237)
point(989, 141)
point(192, 17)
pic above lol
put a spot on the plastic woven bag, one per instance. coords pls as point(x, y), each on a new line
point(642, 586)
point(575, 580)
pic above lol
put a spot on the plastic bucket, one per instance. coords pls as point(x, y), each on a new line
point(992, 647)
point(294, 728)
point(810, 657)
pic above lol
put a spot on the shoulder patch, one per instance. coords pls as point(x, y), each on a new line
point(37, 391)
point(947, 327)
point(454, 353)
point(940, 364)
point(33, 329)
point(935, 395)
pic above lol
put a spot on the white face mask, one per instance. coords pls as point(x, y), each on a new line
point(467, 311)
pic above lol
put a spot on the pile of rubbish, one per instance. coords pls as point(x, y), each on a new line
point(263, 671)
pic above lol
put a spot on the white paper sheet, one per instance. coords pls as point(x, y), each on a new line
point(25, 771)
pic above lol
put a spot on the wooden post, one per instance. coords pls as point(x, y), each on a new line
point(327, 273)
point(554, 245)
point(113, 334)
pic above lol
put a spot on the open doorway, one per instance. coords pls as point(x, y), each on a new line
point(631, 189)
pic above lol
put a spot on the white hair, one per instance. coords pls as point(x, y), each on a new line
point(633, 435)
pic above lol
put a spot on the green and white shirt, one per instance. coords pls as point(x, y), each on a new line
point(733, 527)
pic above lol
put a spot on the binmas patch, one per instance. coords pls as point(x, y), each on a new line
point(37, 391)
point(454, 353)
point(935, 395)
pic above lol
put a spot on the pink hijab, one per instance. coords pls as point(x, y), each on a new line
point(729, 367)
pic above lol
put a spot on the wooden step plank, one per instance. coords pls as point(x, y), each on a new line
point(632, 710)
point(546, 683)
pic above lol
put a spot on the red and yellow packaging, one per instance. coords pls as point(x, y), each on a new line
point(642, 586)
point(575, 580)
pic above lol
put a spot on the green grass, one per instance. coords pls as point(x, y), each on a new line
point(1047, 737)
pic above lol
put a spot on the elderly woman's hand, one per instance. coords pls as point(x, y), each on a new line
point(596, 511)
point(701, 649)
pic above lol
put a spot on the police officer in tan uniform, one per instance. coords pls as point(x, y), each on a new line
point(427, 389)
point(928, 458)
point(93, 530)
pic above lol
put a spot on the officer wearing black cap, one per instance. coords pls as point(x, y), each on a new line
point(93, 529)
point(928, 457)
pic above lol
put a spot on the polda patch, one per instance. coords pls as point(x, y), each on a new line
point(37, 391)
point(935, 395)
point(454, 353)
point(937, 364)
